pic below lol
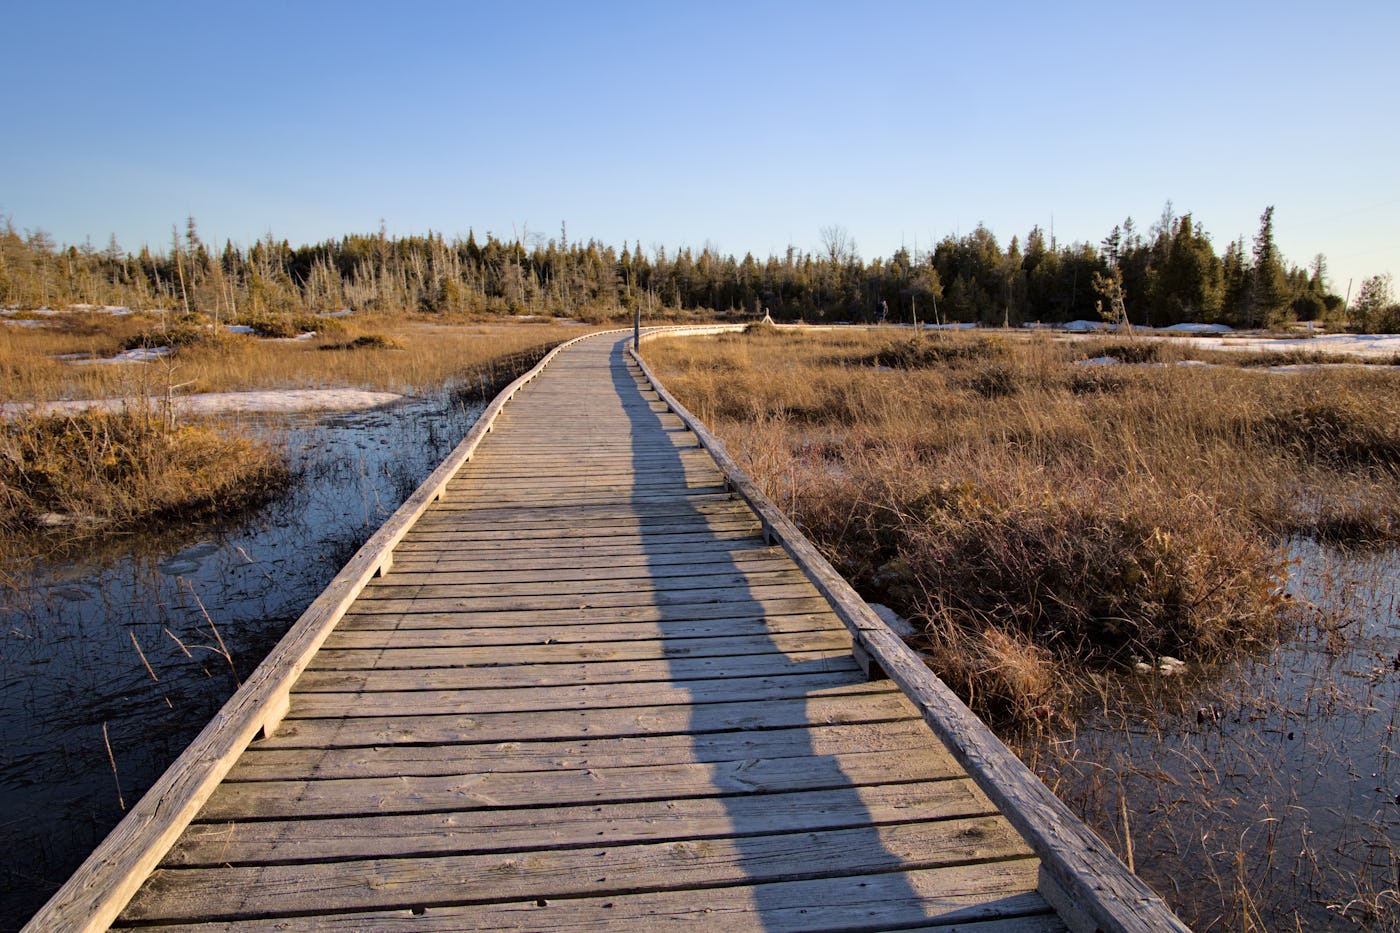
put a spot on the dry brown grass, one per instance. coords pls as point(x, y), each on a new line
point(97, 472)
point(1034, 512)
point(402, 354)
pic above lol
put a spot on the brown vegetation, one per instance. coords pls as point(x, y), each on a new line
point(99, 471)
point(400, 353)
point(103, 469)
point(1036, 514)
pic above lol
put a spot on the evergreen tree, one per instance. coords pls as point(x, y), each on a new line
point(1269, 290)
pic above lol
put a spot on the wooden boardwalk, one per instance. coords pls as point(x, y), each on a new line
point(590, 694)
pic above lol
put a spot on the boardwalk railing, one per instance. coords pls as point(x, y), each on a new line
point(1087, 884)
point(106, 881)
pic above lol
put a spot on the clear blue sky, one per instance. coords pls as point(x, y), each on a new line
point(747, 125)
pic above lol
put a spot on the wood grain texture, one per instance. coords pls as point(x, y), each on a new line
point(986, 898)
point(178, 894)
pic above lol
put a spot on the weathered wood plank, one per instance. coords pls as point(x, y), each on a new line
point(747, 534)
point(527, 582)
point(575, 724)
point(638, 522)
point(645, 500)
point(459, 832)
point(545, 675)
point(631, 530)
point(370, 702)
point(572, 617)
point(601, 651)
point(399, 632)
point(987, 898)
point(282, 890)
point(594, 506)
point(676, 602)
point(264, 800)
point(905, 733)
point(582, 558)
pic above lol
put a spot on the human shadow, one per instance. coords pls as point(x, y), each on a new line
point(804, 837)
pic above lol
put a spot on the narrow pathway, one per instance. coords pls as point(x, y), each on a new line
point(588, 696)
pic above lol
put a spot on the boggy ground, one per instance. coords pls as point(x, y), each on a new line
point(1036, 510)
point(90, 473)
point(1053, 521)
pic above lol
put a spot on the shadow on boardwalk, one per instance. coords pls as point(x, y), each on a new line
point(794, 870)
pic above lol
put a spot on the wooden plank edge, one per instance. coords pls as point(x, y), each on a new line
point(1078, 867)
point(106, 881)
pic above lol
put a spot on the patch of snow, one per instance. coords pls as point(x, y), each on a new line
point(1188, 328)
point(1368, 345)
point(1099, 361)
point(239, 329)
point(1085, 327)
point(23, 322)
point(343, 312)
point(208, 403)
point(137, 355)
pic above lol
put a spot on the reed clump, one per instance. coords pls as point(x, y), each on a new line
point(105, 470)
point(1041, 517)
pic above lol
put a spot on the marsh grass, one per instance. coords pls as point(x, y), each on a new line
point(1050, 536)
point(100, 471)
point(1041, 517)
point(79, 475)
point(401, 353)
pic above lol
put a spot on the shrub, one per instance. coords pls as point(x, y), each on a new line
point(124, 467)
point(924, 352)
point(1138, 352)
point(1333, 429)
point(366, 342)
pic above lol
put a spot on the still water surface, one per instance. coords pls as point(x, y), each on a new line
point(110, 664)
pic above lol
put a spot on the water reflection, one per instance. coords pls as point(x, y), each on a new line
point(1266, 794)
point(147, 636)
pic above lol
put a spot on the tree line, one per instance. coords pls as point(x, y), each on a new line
point(1168, 274)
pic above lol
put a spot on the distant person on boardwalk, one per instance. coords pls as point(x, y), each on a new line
point(883, 312)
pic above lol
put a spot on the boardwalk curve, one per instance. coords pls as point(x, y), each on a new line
point(586, 678)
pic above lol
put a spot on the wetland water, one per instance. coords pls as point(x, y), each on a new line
point(1273, 778)
point(135, 645)
point(1263, 794)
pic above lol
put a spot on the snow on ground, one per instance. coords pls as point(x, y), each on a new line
point(1368, 345)
point(208, 403)
point(1187, 328)
point(136, 355)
